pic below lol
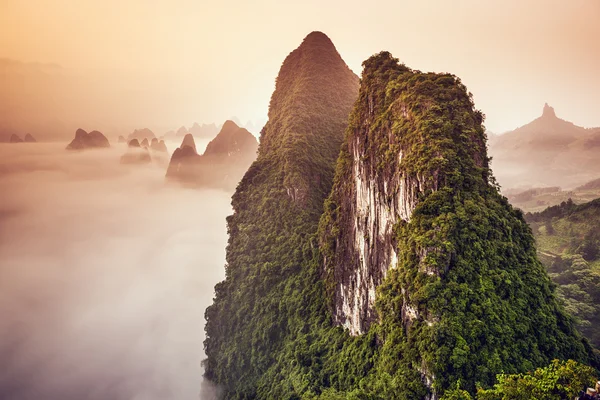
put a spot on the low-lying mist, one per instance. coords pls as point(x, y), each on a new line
point(105, 274)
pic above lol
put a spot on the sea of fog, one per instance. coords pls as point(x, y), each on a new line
point(105, 274)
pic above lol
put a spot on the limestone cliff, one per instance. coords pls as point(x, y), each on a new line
point(416, 239)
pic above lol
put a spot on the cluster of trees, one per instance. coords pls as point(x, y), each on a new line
point(560, 380)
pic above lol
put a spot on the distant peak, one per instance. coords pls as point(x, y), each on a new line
point(317, 37)
point(229, 124)
point(188, 140)
point(548, 111)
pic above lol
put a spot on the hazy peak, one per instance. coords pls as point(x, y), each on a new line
point(229, 124)
point(317, 37)
point(548, 111)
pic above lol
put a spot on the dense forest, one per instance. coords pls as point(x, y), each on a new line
point(568, 241)
point(466, 298)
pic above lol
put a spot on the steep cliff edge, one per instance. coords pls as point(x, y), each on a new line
point(276, 209)
point(419, 246)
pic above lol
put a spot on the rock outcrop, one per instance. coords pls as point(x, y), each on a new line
point(84, 140)
point(14, 138)
point(29, 138)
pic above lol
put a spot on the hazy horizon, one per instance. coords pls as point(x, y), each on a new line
point(163, 64)
point(105, 273)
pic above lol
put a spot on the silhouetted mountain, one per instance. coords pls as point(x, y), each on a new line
point(547, 151)
point(29, 138)
point(122, 139)
point(84, 140)
point(223, 163)
point(145, 143)
point(14, 138)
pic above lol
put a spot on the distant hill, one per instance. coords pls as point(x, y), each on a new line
point(84, 140)
point(141, 134)
point(224, 162)
point(548, 151)
point(591, 185)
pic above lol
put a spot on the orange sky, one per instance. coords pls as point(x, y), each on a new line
point(204, 61)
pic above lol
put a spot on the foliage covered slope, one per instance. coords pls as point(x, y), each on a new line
point(276, 208)
point(568, 241)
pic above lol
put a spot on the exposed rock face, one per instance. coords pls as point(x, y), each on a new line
point(226, 159)
point(29, 138)
point(412, 187)
point(136, 154)
point(84, 140)
point(376, 194)
point(14, 138)
point(141, 134)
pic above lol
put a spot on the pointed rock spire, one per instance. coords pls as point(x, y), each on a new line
point(548, 111)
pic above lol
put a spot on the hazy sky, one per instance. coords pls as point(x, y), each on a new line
point(208, 60)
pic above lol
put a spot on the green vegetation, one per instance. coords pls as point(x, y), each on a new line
point(568, 241)
point(560, 380)
point(467, 265)
point(259, 322)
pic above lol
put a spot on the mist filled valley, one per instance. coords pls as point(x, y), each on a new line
point(105, 273)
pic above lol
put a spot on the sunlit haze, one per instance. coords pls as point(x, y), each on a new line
point(163, 64)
